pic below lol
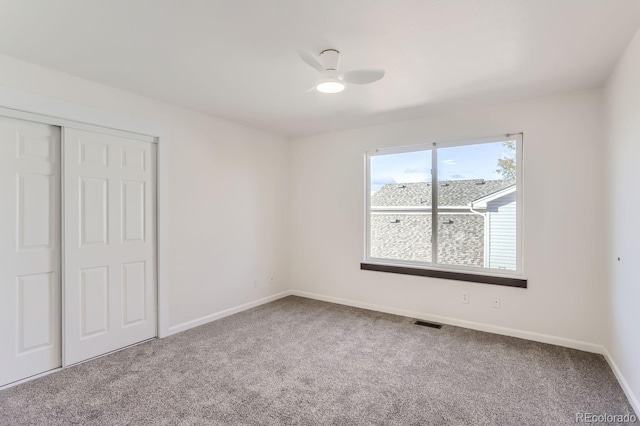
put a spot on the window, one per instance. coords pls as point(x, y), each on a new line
point(452, 208)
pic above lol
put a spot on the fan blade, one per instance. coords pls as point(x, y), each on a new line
point(363, 76)
point(310, 60)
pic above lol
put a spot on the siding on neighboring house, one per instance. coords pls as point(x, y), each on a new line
point(501, 246)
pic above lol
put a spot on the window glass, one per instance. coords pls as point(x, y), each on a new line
point(400, 218)
point(475, 206)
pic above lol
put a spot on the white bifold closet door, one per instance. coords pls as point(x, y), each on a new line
point(110, 248)
point(29, 249)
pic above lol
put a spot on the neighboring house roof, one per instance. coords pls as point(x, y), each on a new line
point(481, 203)
point(450, 193)
point(408, 237)
point(398, 233)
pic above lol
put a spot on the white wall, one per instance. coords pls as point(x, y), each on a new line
point(227, 186)
point(623, 224)
point(563, 236)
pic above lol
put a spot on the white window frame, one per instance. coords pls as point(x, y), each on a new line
point(433, 147)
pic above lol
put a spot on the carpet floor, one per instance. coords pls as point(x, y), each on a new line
point(304, 362)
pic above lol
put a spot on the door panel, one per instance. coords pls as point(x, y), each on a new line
point(30, 317)
point(94, 300)
point(134, 285)
point(133, 217)
point(34, 207)
point(34, 311)
point(94, 212)
point(110, 266)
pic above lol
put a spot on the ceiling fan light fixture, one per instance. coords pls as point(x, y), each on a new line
point(332, 85)
point(332, 82)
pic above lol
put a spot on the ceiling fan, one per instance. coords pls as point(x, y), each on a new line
point(327, 64)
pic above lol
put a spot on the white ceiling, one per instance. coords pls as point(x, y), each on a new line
point(237, 59)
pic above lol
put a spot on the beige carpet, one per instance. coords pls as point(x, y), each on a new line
point(299, 361)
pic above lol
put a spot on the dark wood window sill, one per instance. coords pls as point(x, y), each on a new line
point(449, 275)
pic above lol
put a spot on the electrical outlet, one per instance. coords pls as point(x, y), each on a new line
point(496, 302)
point(465, 297)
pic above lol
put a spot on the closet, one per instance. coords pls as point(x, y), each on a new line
point(77, 244)
point(30, 249)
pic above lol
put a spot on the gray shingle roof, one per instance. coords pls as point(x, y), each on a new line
point(450, 193)
point(408, 237)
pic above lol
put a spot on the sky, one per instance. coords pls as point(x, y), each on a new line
point(478, 161)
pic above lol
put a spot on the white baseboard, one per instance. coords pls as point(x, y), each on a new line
point(623, 383)
point(528, 335)
point(212, 317)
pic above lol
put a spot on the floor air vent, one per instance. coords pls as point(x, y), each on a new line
point(428, 324)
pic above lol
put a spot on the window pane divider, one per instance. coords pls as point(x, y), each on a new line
point(434, 205)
